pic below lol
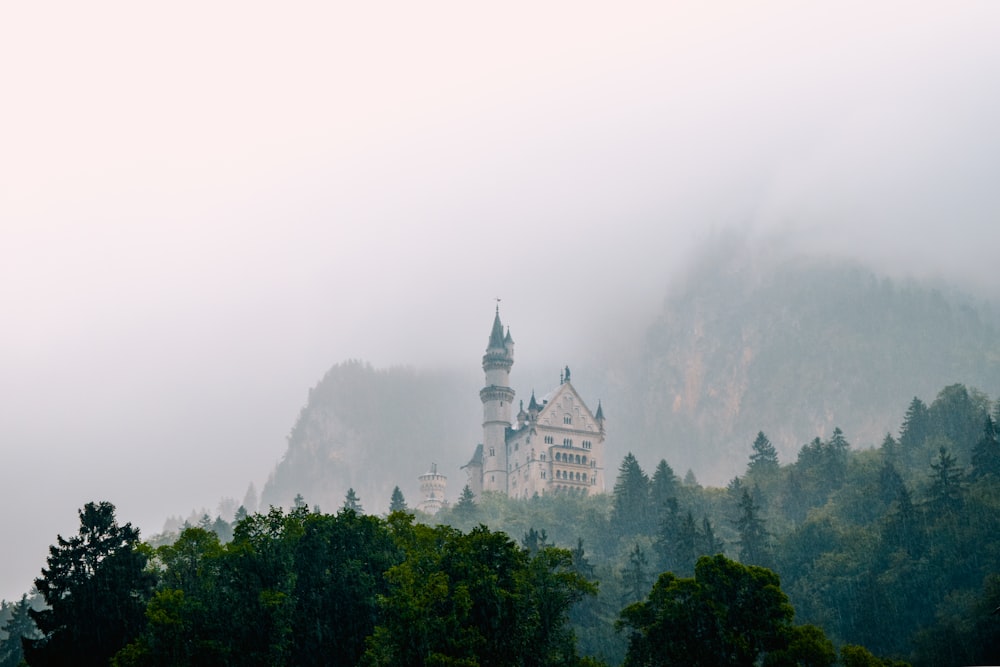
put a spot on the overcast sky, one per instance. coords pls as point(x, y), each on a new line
point(205, 205)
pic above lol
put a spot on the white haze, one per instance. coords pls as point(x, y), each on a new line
point(205, 205)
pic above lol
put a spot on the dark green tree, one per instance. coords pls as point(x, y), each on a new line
point(339, 563)
point(96, 587)
point(465, 509)
point(728, 614)
point(186, 617)
point(986, 453)
point(636, 575)
point(534, 540)
point(764, 458)
point(957, 415)
point(475, 599)
point(663, 487)
point(710, 544)
point(630, 511)
point(397, 503)
point(945, 492)
point(754, 540)
point(19, 625)
point(916, 427)
point(352, 503)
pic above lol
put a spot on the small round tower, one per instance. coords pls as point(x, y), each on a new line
point(432, 489)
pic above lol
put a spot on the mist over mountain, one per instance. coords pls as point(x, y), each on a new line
point(746, 341)
point(372, 429)
point(752, 341)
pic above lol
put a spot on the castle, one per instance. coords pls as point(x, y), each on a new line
point(556, 446)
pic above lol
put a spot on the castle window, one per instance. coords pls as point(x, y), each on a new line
point(542, 456)
point(549, 440)
point(567, 419)
point(543, 474)
point(567, 442)
point(586, 444)
point(492, 453)
point(585, 460)
point(577, 458)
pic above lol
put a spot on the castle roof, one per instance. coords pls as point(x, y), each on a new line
point(496, 335)
point(477, 457)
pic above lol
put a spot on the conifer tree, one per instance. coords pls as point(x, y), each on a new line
point(19, 625)
point(754, 538)
point(986, 453)
point(352, 502)
point(663, 486)
point(764, 459)
point(630, 510)
point(397, 503)
point(95, 587)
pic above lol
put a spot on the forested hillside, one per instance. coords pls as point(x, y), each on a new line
point(836, 558)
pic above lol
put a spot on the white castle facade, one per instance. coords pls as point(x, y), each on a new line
point(554, 446)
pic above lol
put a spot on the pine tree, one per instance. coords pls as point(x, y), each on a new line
point(986, 453)
point(465, 508)
point(663, 487)
point(397, 503)
point(17, 626)
point(764, 459)
point(96, 587)
point(754, 538)
point(630, 509)
point(352, 503)
point(916, 427)
point(946, 483)
point(636, 577)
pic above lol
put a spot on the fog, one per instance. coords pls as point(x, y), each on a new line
point(203, 207)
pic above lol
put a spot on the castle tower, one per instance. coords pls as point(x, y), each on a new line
point(497, 398)
point(432, 488)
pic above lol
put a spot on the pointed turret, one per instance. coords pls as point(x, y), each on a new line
point(533, 405)
point(496, 334)
point(599, 415)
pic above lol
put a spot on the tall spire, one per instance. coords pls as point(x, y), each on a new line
point(496, 335)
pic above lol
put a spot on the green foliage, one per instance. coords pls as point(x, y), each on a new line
point(728, 614)
point(986, 453)
point(764, 459)
point(475, 599)
point(755, 542)
point(96, 586)
point(631, 512)
point(397, 503)
point(17, 627)
point(351, 502)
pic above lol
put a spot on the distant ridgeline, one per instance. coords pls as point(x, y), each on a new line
point(743, 344)
point(794, 349)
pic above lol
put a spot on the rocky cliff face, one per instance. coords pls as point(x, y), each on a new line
point(371, 430)
point(794, 349)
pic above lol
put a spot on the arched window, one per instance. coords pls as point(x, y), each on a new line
point(577, 458)
point(567, 419)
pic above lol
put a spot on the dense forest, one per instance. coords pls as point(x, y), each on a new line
point(837, 557)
